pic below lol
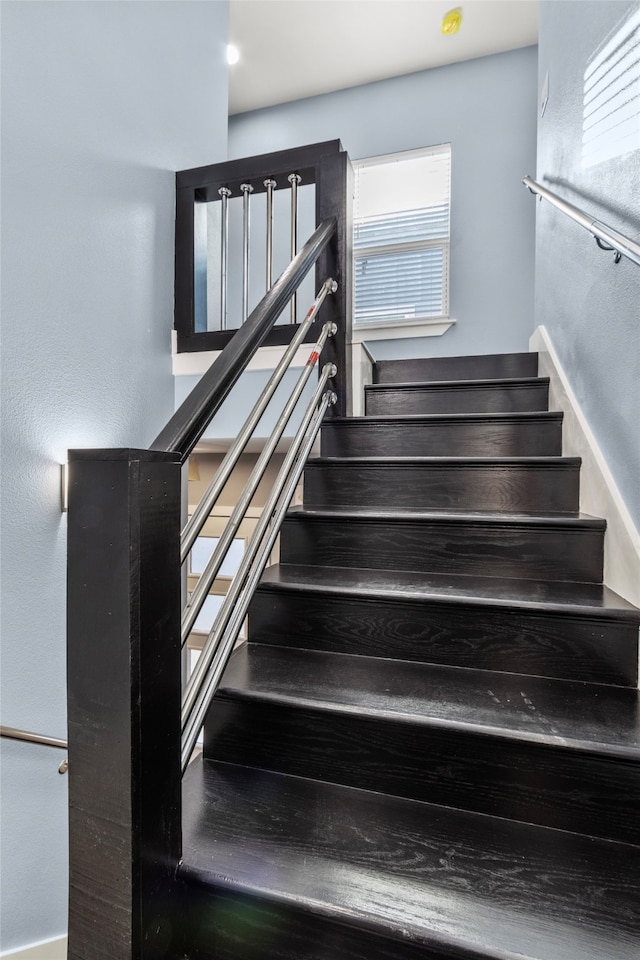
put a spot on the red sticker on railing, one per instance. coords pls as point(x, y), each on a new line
point(310, 311)
point(313, 359)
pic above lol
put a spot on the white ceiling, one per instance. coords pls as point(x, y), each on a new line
point(298, 48)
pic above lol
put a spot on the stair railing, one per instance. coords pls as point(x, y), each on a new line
point(130, 730)
point(27, 736)
point(227, 624)
point(605, 236)
point(224, 632)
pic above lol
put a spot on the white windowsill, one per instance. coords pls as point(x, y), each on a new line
point(400, 329)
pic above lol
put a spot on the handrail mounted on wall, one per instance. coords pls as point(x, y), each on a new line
point(605, 236)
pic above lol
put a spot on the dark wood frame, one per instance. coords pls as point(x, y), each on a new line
point(324, 164)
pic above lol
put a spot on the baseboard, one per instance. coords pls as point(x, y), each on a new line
point(599, 495)
point(55, 949)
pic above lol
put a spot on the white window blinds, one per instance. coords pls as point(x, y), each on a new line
point(401, 236)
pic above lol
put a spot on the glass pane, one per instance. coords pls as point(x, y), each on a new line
point(204, 547)
point(425, 224)
point(208, 613)
point(390, 185)
point(399, 285)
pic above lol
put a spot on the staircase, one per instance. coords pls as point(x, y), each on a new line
point(428, 747)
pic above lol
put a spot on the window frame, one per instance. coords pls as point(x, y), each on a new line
point(439, 243)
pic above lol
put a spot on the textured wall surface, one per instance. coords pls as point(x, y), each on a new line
point(102, 102)
point(486, 109)
point(590, 306)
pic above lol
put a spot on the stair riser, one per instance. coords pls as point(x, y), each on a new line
point(455, 399)
point(535, 438)
point(490, 367)
point(223, 925)
point(548, 488)
point(509, 550)
point(461, 635)
point(516, 779)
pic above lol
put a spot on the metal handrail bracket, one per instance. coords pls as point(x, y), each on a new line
point(26, 736)
point(605, 236)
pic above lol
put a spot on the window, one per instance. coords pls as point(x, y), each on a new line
point(401, 236)
point(611, 118)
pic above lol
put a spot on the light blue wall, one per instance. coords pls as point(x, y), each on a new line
point(486, 108)
point(590, 306)
point(102, 102)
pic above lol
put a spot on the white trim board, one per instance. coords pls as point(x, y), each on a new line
point(267, 358)
point(54, 949)
point(599, 494)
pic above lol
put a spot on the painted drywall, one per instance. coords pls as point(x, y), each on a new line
point(486, 109)
point(102, 102)
point(589, 305)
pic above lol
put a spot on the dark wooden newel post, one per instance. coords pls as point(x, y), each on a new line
point(123, 677)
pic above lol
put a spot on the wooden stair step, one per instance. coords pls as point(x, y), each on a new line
point(588, 599)
point(501, 545)
point(544, 751)
point(574, 715)
point(282, 868)
point(576, 631)
point(481, 367)
point(442, 435)
point(505, 484)
point(458, 396)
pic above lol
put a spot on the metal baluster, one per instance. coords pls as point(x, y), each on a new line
point(269, 184)
point(246, 190)
point(225, 193)
point(294, 179)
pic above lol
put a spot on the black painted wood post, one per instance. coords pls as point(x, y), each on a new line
point(184, 292)
point(334, 198)
point(123, 675)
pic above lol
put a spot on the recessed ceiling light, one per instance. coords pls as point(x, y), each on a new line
point(233, 54)
point(452, 21)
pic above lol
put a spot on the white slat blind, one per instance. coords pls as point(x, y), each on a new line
point(401, 236)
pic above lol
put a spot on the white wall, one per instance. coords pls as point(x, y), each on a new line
point(102, 102)
point(486, 109)
point(589, 305)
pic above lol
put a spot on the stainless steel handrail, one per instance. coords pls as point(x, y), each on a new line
point(27, 736)
point(219, 644)
point(201, 513)
point(605, 236)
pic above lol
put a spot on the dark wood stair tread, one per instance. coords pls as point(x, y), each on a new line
point(485, 518)
point(591, 599)
point(446, 385)
point(553, 712)
point(461, 461)
point(457, 883)
point(427, 418)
